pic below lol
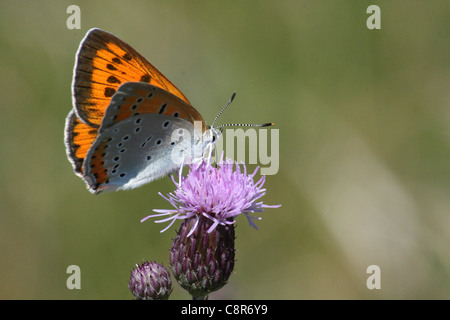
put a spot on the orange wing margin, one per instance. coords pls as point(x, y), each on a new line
point(78, 139)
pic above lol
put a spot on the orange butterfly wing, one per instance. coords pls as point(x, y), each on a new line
point(103, 63)
point(78, 139)
point(133, 98)
point(134, 101)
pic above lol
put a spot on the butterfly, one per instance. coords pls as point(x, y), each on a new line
point(120, 133)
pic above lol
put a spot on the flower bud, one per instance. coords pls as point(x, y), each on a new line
point(150, 281)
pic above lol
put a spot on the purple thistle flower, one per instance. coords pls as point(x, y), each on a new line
point(217, 193)
point(203, 262)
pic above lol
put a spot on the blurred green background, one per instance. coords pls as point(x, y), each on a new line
point(364, 124)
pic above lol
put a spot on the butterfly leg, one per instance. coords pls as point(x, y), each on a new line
point(180, 172)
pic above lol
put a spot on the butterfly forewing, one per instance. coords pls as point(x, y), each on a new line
point(119, 133)
point(103, 63)
point(135, 98)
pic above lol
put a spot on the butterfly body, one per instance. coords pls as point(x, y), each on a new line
point(120, 133)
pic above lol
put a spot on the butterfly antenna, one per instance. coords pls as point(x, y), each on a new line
point(268, 124)
point(223, 109)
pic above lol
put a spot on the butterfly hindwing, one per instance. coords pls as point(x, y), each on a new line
point(78, 139)
point(119, 134)
point(134, 144)
point(134, 151)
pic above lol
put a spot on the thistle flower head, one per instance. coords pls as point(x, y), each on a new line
point(150, 281)
point(219, 194)
point(203, 262)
